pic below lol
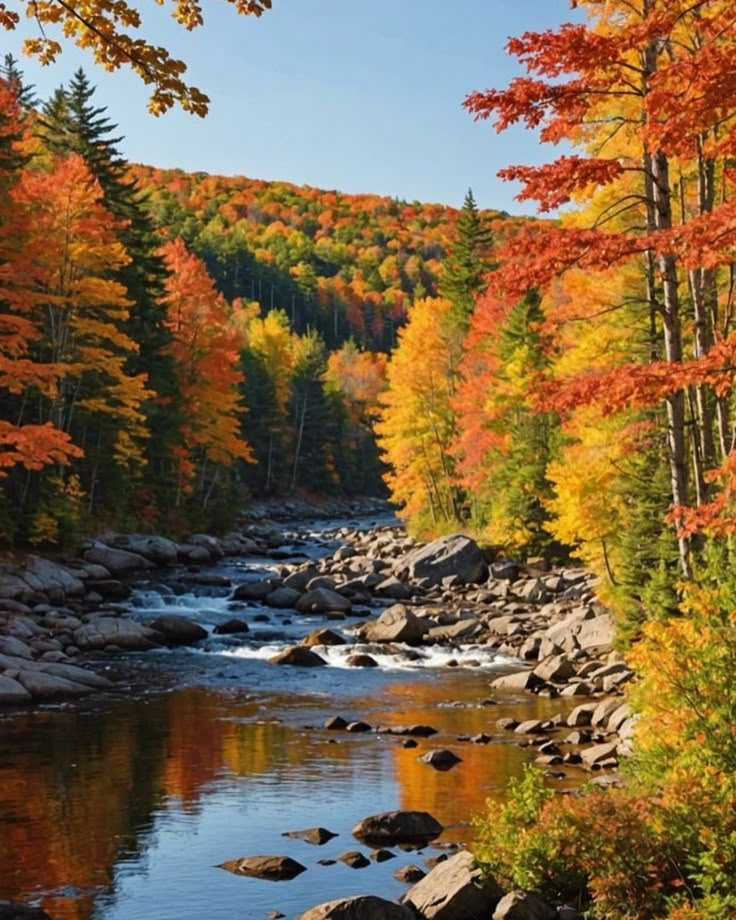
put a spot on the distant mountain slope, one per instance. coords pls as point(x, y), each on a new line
point(347, 265)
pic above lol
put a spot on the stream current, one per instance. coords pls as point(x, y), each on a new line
point(123, 807)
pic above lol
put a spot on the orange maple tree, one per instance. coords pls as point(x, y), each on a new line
point(653, 165)
point(205, 346)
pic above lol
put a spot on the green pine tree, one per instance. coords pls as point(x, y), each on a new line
point(71, 122)
point(468, 262)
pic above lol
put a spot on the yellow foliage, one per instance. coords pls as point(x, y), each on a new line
point(107, 29)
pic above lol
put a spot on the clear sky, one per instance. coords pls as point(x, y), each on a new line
point(358, 95)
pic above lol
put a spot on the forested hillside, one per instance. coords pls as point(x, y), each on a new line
point(345, 265)
point(175, 343)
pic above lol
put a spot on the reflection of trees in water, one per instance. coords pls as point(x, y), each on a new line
point(79, 792)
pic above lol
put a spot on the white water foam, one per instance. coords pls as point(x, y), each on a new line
point(337, 656)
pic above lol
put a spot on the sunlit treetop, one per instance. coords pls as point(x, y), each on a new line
point(107, 29)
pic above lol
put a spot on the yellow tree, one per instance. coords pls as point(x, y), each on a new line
point(417, 424)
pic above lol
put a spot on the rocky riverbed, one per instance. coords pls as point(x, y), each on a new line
point(376, 601)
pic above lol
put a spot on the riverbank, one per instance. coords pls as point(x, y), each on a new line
point(374, 603)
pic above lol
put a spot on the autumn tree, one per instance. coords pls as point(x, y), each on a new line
point(356, 378)
point(108, 31)
point(417, 424)
point(616, 88)
point(58, 278)
point(205, 347)
point(504, 445)
point(24, 443)
point(71, 122)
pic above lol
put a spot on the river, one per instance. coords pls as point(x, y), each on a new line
point(123, 807)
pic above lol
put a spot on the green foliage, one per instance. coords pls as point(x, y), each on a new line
point(468, 261)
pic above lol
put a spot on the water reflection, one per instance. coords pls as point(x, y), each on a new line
point(123, 811)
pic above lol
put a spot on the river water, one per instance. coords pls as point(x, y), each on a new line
point(123, 807)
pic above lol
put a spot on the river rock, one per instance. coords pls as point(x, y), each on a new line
point(314, 835)
point(282, 598)
point(46, 687)
point(272, 868)
point(599, 754)
point(455, 554)
point(178, 630)
point(361, 660)
point(254, 590)
point(358, 907)
point(231, 627)
point(440, 759)
point(159, 550)
point(394, 588)
point(524, 905)
point(48, 574)
point(597, 634)
point(398, 827)
point(556, 669)
point(397, 624)
point(9, 645)
point(519, 680)
point(321, 600)
point(12, 694)
point(353, 858)
point(323, 637)
point(126, 634)
point(409, 875)
point(454, 890)
point(192, 554)
point(298, 656)
point(79, 675)
point(116, 561)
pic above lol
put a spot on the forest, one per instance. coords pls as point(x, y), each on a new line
point(176, 343)
point(561, 387)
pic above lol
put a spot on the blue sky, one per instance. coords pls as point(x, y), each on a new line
point(358, 95)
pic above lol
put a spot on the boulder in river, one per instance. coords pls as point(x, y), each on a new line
point(272, 868)
point(441, 759)
point(323, 637)
point(298, 656)
point(321, 600)
point(116, 561)
point(178, 630)
point(354, 858)
point(314, 835)
point(524, 905)
point(454, 890)
point(231, 627)
point(158, 550)
point(397, 624)
point(12, 694)
point(47, 687)
point(282, 598)
point(455, 554)
point(254, 590)
point(390, 827)
point(123, 633)
point(358, 907)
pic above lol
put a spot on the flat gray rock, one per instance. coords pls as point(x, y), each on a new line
point(12, 693)
point(455, 554)
point(358, 907)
